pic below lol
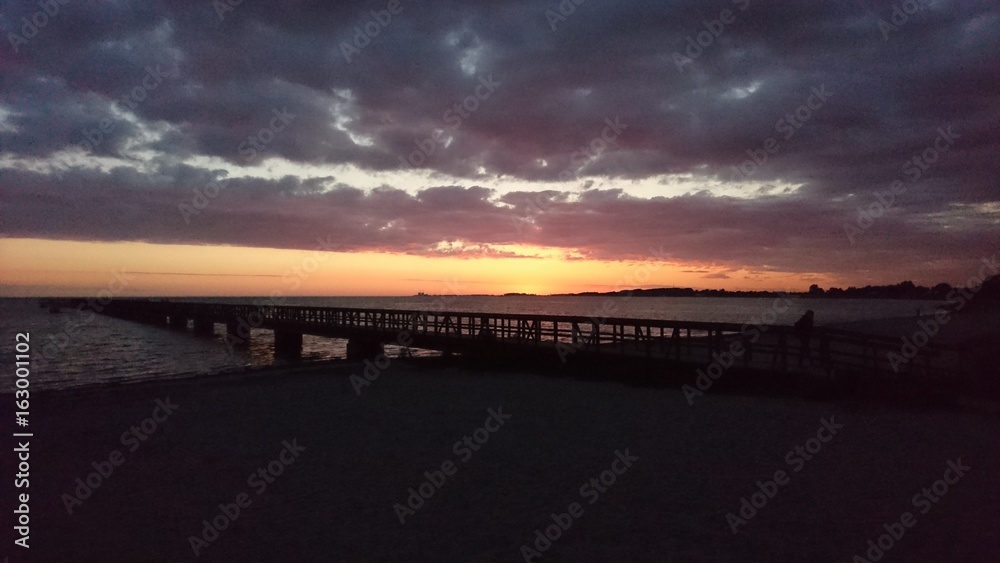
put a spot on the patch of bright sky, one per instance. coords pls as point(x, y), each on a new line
point(74, 156)
point(738, 93)
point(462, 248)
point(991, 207)
point(411, 180)
point(141, 160)
point(5, 125)
point(341, 109)
point(968, 216)
point(663, 185)
point(469, 57)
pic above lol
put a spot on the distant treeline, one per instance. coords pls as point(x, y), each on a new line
point(990, 289)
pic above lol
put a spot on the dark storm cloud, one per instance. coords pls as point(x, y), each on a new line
point(778, 233)
point(220, 82)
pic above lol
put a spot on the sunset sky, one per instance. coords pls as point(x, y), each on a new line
point(385, 147)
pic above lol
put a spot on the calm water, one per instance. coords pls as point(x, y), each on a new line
point(70, 349)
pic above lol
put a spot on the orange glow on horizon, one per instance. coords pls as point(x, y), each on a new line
point(40, 267)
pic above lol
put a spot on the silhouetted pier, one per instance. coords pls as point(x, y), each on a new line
point(768, 348)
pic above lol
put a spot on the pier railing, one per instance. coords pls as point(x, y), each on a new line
point(764, 347)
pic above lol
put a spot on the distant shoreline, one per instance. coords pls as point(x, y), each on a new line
point(707, 293)
point(724, 293)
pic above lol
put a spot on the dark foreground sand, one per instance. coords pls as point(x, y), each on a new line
point(971, 325)
point(334, 502)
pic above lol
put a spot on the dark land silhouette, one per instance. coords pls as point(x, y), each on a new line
point(989, 290)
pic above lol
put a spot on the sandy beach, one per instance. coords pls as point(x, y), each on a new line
point(336, 464)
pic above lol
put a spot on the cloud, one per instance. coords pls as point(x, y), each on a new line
point(418, 86)
point(472, 221)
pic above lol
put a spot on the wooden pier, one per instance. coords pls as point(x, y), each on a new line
point(689, 344)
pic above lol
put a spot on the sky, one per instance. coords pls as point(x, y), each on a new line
point(389, 147)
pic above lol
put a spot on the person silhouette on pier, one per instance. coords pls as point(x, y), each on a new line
point(485, 334)
point(804, 330)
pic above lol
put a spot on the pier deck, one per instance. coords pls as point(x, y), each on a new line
point(697, 345)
